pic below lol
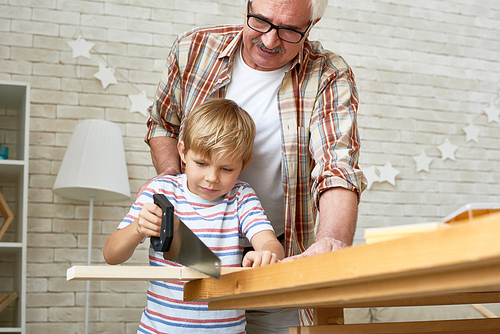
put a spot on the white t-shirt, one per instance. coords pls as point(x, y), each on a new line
point(256, 92)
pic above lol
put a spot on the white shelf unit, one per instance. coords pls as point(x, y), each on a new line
point(14, 133)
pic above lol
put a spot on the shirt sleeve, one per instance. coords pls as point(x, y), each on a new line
point(334, 137)
point(145, 197)
point(165, 113)
point(251, 214)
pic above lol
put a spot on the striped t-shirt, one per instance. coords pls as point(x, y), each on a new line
point(222, 225)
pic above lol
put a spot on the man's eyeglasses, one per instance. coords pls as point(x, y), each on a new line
point(263, 26)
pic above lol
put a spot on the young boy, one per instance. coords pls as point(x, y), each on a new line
point(215, 147)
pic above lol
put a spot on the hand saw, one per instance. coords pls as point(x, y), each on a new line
point(180, 245)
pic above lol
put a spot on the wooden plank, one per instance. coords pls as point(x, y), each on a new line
point(13, 296)
point(138, 273)
point(441, 299)
point(451, 250)
point(3, 297)
point(484, 311)
point(373, 293)
point(6, 213)
point(379, 234)
point(328, 316)
point(471, 210)
point(472, 326)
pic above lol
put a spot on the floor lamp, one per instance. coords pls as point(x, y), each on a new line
point(94, 169)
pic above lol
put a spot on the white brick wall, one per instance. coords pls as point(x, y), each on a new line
point(424, 69)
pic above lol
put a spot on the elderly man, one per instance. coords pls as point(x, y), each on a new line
point(303, 100)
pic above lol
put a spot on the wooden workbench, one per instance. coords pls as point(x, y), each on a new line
point(455, 265)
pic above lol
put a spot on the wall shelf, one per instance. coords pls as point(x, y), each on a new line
point(14, 133)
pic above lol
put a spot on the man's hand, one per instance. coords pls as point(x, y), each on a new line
point(337, 222)
point(168, 171)
point(324, 245)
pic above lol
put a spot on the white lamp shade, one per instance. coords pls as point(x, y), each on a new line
point(94, 164)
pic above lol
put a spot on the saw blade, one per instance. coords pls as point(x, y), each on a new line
point(180, 245)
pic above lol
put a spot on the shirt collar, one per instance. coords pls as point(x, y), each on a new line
point(231, 48)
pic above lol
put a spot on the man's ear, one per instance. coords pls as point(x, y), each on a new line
point(245, 166)
point(312, 26)
point(182, 150)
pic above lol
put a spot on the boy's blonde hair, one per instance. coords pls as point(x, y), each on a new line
point(217, 128)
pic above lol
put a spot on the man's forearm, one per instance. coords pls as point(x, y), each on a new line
point(164, 154)
point(338, 209)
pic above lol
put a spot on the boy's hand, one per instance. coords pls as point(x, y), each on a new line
point(257, 259)
point(149, 221)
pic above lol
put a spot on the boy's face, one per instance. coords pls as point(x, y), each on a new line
point(207, 178)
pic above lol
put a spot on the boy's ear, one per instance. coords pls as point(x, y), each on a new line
point(245, 166)
point(182, 150)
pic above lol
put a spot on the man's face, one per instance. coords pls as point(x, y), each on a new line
point(266, 51)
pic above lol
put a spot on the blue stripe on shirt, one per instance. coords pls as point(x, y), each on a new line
point(177, 306)
point(201, 325)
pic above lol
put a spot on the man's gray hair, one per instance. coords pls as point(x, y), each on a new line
point(318, 8)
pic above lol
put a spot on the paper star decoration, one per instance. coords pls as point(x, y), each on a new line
point(493, 113)
point(422, 161)
point(106, 75)
point(387, 173)
point(140, 103)
point(371, 176)
point(471, 133)
point(81, 47)
point(447, 150)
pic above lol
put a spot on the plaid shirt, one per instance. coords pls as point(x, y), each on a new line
point(317, 102)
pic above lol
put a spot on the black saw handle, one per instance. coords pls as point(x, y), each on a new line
point(162, 243)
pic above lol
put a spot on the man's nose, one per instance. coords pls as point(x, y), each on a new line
point(271, 39)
